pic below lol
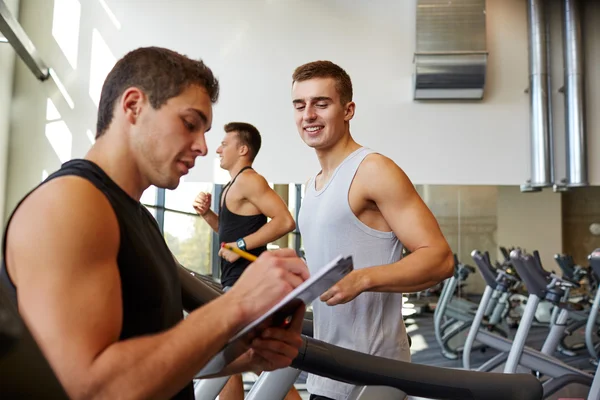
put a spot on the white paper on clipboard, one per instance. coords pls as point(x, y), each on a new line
point(305, 293)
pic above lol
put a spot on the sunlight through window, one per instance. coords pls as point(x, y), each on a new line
point(91, 137)
point(61, 139)
point(149, 196)
point(62, 89)
point(102, 62)
point(65, 28)
point(182, 198)
point(52, 113)
point(44, 175)
point(110, 14)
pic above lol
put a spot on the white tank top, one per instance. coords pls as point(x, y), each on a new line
point(371, 323)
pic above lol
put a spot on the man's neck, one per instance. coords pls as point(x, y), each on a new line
point(239, 165)
point(119, 165)
point(332, 157)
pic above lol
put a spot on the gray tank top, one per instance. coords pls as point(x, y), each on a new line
point(371, 323)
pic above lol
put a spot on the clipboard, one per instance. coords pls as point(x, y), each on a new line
point(281, 313)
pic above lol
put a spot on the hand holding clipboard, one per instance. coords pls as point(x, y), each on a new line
point(280, 314)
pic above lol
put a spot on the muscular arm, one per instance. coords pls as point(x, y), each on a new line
point(212, 219)
point(62, 247)
point(431, 259)
point(257, 191)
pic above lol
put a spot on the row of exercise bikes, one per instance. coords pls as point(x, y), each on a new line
point(521, 295)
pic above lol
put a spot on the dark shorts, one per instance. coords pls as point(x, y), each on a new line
point(317, 397)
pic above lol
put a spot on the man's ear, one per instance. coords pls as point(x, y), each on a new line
point(243, 149)
point(132, 102)
point(349, 111)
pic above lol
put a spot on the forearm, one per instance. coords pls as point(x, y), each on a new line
point(158, 366)
point(238, 366)
point(273, 230)
point(418, 271)
point(212, 219)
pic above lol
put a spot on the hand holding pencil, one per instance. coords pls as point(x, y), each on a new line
point(231, 253)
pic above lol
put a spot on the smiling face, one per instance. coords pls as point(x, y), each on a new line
point(167, 140)
point(321, 118)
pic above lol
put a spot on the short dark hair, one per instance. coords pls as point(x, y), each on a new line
point(326, 69)
point(161, 73)
point(247, 134)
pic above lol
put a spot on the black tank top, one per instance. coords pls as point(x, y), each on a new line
point(233, 227)
point(150, 286)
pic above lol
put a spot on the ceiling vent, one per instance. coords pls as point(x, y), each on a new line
point(451, 54)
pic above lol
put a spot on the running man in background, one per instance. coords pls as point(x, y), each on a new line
point(246, 203)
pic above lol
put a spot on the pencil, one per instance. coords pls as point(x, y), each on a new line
point(241, 253)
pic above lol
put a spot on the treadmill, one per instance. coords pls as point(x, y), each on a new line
point(25, 373)
point(368, 371)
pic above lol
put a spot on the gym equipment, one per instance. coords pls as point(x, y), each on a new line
point(594, 393)
point(370, 373)
point(535, 278)
point(591, 325)
point(594, 259)
point(453, 316)
point(24, 371)
point(516, 352)
point(576, 274)
point(571, 270)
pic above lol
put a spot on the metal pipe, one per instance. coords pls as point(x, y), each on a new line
point(576, 146)
point(539, 123)
point(549, 80)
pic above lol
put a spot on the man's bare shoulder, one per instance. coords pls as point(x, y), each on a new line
point(66, 212)
point(377, 169)
point(252, 181)
point(62, 194)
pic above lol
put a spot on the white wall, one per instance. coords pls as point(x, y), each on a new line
point(7, 64)
point(253, 46)
point(532, 222)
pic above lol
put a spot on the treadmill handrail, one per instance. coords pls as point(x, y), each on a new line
point(357, 368)
point(194, 292)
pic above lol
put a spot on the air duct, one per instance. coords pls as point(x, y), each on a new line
point(540, 124)
point(451, 56)
point(576, 146)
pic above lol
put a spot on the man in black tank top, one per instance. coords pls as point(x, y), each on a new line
point(246, 202)
point(90, 271)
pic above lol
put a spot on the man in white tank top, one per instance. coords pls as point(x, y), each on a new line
point(361, 204)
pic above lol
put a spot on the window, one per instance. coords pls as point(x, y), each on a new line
point(189, 237)
point(190, 240)
point(149, 196)
point(148, 199)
